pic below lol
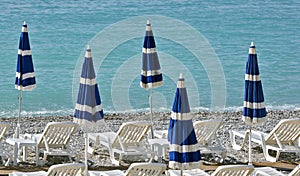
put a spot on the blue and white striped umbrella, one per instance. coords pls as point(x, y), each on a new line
point(151, 75)
point(25, 78)
point(254, 111)
point(88, 106)
point(184, 150)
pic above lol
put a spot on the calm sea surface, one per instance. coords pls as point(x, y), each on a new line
point(207, 41)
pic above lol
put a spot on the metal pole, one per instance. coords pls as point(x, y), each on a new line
point(150, 102)
point(250, 149)
point(86, 154)
point(19, 118)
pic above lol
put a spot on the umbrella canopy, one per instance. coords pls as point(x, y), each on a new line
point(25, 78)
point(88, 107)
point(184, 151)
point(254, 111)
point(151, 76)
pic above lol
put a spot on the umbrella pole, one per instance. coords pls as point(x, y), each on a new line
point(86, 154)
point(250, 149)
point(19, 117)
point(151, 112)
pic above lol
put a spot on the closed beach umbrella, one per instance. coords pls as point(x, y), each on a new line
point(88, 109)
point(184, 150)
point(254, 111)
point(25, 78)
point(151, 75)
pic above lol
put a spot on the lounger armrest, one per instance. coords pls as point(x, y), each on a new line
point(28, 136)
point(34, 137)
point(162, 134)
point(234, 133)
point(261, 136)
point(259, 133)
point(106, 138)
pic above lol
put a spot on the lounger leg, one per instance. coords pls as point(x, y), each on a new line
point(277, 155)
point(24, 153)
point(45, 157)
point(15, 154)
point(91, 149)
point(223, 155)
point(8, 161)
point(120, 158)
point(269, 157)
point(235, 146)
point(2, 158)
point(37, 156)
point(112, 158)
point(70, 158)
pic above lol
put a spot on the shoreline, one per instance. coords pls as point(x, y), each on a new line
point(69, 111)
point(231, 120)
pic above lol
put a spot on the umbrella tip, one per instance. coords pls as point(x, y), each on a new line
point(180, 76)
point(252, 44)
point(24, 23)
point(148, 21)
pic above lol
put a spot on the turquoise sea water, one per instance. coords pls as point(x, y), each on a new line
point(60, 30)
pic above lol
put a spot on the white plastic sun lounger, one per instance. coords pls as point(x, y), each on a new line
point(129, 140)
point(283, 138)
point(206, 133)
point(135, 169)
point(269, 171)
point(54, 140)
point(69, 169)
point(4, 154)
point(226, 170)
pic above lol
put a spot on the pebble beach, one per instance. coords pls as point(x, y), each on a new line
point(100, 159)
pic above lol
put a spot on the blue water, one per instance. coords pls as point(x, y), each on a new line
point(60, 30)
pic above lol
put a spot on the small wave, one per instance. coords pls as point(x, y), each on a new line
point(67, 112)
point(10, 114)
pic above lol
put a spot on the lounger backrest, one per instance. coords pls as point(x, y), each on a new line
point(287, 131)
point(3, 129)
point(131, 133)
point(57, 134)
point(142, 169)
point(205, 130)
point(70, 169)
point(233, 170)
